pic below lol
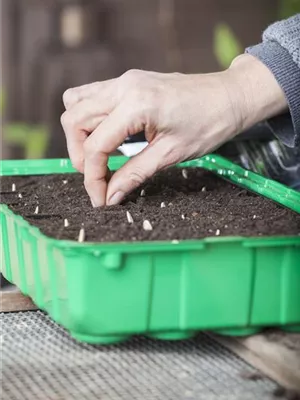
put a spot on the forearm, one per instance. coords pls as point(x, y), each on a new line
point(280, 53)
point(254, 91)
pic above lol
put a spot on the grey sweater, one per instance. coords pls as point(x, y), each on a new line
point(280, 52)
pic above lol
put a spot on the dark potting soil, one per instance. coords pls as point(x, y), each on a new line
point(201, 205)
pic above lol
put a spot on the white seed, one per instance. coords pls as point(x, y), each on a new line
point(66, 223)
point(147, 225)
point(203, 189)
point(20, 196)
point(143, 193)
point(65, 182)
point(36, 211)
point(129, 217)
point(184, 173)
point(13, 187)
point(162, 204)
point(175, 241)
point(81, 236)
point(218, 232)
point(225, 226)
point(254, 216)
point(182, 216)
point(170, 204)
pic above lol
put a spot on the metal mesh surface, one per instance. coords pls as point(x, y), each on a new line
point(40, 361)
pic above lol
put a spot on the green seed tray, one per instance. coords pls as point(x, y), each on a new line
point(104, 293)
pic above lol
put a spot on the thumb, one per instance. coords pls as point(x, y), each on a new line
point(158, 155)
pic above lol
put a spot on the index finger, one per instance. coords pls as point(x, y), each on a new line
point(109, 135)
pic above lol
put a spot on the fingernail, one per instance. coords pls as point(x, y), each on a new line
point(116, 198)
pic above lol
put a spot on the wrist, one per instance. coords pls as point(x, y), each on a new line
point(254, 92)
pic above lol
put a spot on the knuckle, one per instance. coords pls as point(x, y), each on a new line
point(137, 177)
point(133, 76)
point(64, 118)
point(138, 87)
point(131, 73)
point(77, 163)
point(88, 147)
point(69, 97)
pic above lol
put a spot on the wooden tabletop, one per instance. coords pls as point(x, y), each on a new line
point(274, 352)
point(12, 299)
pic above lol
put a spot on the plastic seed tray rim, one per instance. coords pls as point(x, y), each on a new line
point(228, 170)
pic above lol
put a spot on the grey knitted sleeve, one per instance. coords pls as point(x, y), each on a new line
point(280, 52)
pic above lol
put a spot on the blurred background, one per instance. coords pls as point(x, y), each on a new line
point(50, 45)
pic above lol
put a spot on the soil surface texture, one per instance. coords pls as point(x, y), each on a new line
point(196, 204)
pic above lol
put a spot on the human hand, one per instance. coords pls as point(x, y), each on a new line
point(183, 116)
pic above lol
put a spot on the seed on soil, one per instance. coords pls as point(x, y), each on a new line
point(162, 204)
point(184, 173)
point(13, 187)
point(182, 216)
point(147, 225)
point(218, 232)
point(129, 217)
point(203, 189)
point(170, 204)
point(65, 182)
point(66, 223)
point(194, 214)
point(225, 226)
point(20, 196)
point(81, 236)
point(36, 211)
point(143, 193)
point(254, 216)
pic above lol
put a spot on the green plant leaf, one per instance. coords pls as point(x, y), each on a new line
point(226, 45)
point(32, 139)
point(2, 101)
point(287, 8)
